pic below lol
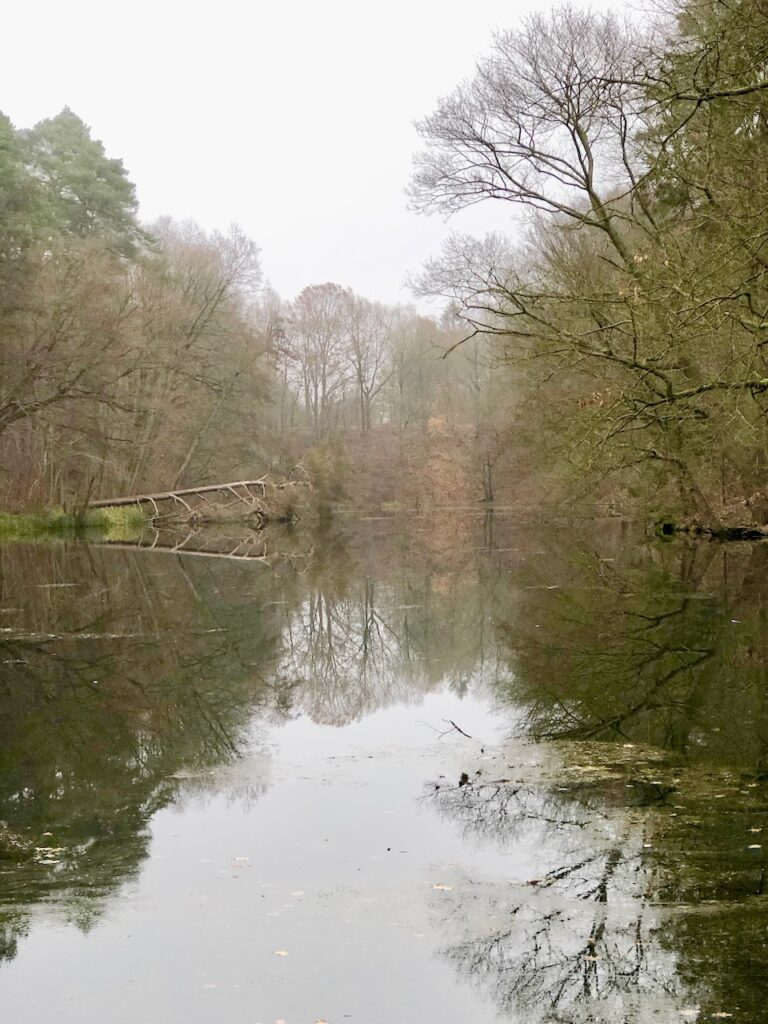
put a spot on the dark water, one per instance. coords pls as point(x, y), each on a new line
point(423, 772)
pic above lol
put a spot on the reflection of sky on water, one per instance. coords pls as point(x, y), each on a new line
point(240, 759)
point(335, 863)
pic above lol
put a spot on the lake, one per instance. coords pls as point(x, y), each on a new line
point(426, 770)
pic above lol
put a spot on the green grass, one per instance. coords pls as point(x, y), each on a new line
point(123, 523)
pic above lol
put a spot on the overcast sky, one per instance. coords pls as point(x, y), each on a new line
point(293, 119)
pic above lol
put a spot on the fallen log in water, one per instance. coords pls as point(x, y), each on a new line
point(254, 501)
point(180, 494)
point(669, 529)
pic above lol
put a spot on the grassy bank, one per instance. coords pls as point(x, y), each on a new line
point(124, 523)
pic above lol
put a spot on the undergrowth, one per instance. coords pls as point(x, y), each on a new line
point(123, 523)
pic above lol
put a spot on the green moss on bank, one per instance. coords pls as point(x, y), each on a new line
point(123, 523)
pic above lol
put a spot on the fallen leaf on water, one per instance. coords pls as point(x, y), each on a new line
point(443, 888)
point(280, 952)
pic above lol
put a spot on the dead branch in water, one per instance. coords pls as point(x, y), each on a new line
point(255, 502)
point(179, 495)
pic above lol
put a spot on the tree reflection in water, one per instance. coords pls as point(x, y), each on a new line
point(658, 652)
point(126, 676)
point(663, 644)
point(641, 665)
point(116, 677)
point(580, 942)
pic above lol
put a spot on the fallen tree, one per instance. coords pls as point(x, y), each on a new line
point(253, 500)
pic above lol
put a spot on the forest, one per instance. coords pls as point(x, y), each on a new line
point(370, 660)
point(608, 351)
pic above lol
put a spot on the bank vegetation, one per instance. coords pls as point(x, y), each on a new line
point(606, 346)
point(633, 307)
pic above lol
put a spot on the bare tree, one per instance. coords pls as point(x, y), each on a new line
point(316, 331)
point(544, 122)
point(636, 286)
point(370, 353)
point(200, 344)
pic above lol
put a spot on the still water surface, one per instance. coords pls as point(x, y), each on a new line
point(430, 772)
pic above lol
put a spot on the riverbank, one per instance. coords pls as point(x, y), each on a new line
point(125, 519)
point(111, 523)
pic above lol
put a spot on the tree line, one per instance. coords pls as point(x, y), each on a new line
point(633, 306)
point(142, 356)
point(612, 346)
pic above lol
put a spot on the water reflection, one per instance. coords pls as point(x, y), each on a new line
point(116, 676)
point(127, 676)
point(651, 896)
point(663, 644)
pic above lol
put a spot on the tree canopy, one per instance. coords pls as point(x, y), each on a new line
point(640, 287)
point(89, 192)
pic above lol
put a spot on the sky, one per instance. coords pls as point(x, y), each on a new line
point(292, 119)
